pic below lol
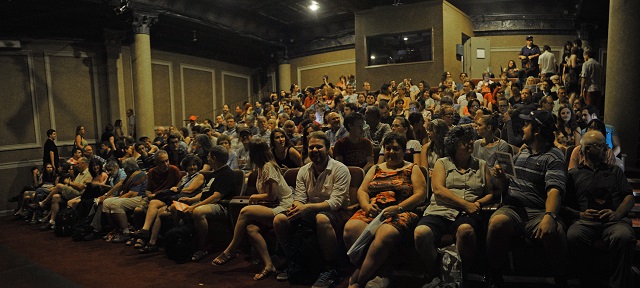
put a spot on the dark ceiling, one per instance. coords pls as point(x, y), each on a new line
point(256, 33)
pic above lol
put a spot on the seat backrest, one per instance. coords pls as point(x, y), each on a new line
point(567, 155)
point(427, 179)
point(357, 176)
point(237, 181)
point(290, 176)
point(252, 179)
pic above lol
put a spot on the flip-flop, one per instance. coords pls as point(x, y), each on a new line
point(265, 273)
point(140, 243)
point(199, 255)
point(223, 258)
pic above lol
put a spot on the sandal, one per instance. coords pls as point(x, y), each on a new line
point(140, 243)
point(265, 273)
point(141, 234)
point(223, 258)
point(130, 242)
point(199, 255)
point(148, 249)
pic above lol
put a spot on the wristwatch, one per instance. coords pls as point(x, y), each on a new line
point(553, 215)
point(400, 209)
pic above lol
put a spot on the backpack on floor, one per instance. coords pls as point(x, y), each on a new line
point(178, 243)
point(65, 221)
point(302, 254)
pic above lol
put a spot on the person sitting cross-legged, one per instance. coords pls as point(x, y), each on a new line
point(272, 189)
point(129, 196)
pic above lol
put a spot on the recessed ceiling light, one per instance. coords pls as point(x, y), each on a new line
point(373, 57)
point(314, 6)
point(406, 38)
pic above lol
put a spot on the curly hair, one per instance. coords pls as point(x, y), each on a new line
point(457, 135)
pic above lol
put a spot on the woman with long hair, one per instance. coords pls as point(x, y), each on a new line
point(201, 146)
point(567, 132)
point(417, 124)
point(80, 142)
point(386, 92)
point(311, 127)
point(401, 126)
point(285, 155)
point(512, 69)
point(488, 144)
point(117, 130)
point(98, 175)
point(272, 191)
point(434, 149)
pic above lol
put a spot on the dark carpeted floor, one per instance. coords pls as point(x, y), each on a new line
point(31, 258)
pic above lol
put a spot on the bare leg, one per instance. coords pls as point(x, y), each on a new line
point(467, 245)
point(157, 224)
point(55, 190)
point(261, 247)
point(426, 248)
point(248, 214)
point(202, 226)
point(352, 230)
point(55, 207)
point(282, 226)
point(326, 238)
point(498, 238)
point(386, 237)
point(152, 212)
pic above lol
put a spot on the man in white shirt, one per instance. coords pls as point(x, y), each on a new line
point(547, 61)
point(320, 202)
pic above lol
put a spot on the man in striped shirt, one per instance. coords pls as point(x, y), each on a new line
point(533, 199)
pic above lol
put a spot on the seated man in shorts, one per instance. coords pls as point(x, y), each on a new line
point(321, 198)
point(67, 191)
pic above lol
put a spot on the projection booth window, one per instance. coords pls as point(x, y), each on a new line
point(398, 48)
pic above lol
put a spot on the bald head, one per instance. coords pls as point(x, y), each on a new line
point(593, 145)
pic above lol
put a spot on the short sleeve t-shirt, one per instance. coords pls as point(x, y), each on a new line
point(220, 182)
point(353, 154)
point(49, 146)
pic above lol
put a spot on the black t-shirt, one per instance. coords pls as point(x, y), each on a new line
point(49, 146)
point(297, 119)
point(222, 181)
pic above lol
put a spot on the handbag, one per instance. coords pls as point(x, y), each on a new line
point(357, 250)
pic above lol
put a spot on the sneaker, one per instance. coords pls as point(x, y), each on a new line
point(47, 227)
point(120, 238)
point(326, 279)
point(283, 275)
point(378, 282)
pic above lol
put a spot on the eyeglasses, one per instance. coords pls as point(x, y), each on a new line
point(475, 106)
point(447, 114)
point(392, 148)
point(595, 145)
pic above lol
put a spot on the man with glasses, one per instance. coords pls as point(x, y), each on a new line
point(526, 101)
point(562, 99)
point(546, 103)
point(599, 196)
point(533, 199)
point(447, 114)
point(175, 149)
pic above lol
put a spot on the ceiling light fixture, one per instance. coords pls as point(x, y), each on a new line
point(314, 6)
point(405, 38)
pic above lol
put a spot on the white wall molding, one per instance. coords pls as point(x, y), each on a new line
point(321, 65)
point(34, 104)
point(20, 164)
point(225, 73)
point(198, 68)
point(95, 89)
point(171, 94)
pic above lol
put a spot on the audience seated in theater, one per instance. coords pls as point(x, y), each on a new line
point(285, 155)
point(263, 130)
point(600, 198)
point(562, 100)
point(417, 125)
point(354, 150)
point(142, 157)
point(162, 204)
point(385, 113)
point(547, 103)
point(66, 190)
point(159, 139)
point(148, 144)
point(395, 188)
point(375, 129)
point(43, 182)
point(434, 148)
point(568, 132)
point(291, 130)
point(412, 154)
point(385, 93)
point(128, 195)
point(577, 158)
point(324, 209)
point(274, 197)
point(308, 129)
point(232, 157)
point(205, 206)
point(513, 124)
point(79, 141)
point(106, 152)
point(175, 149)
point(76, 154)
point(336, 130)
point(613, 140)
point(488, 144)
point(115, 175)
point(128, 150)
point(244, 160)
point(448, 114)
point(533, 200)
point(526, 101)
point(461, 186)
point(202, 146)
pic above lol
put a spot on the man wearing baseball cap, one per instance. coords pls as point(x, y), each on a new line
point(529, 57)
point(532, 199)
